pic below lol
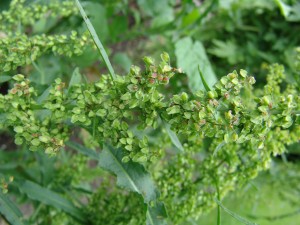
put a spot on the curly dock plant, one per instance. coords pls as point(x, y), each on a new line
point(226, 134)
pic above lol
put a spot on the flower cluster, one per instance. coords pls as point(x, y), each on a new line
point(243, 127)
point(229, 133)
point(19, 48)
point(20, 13)
point(34, 125)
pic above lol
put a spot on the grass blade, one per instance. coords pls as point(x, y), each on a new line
point(9, 210)
point(175, 140)
point(83, 150)
point(234, 215)
point(75, 79)
point(207, 88)
point(219, 207)
point(49, 197)
point(96, 40)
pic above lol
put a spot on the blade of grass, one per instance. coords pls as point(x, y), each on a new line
point(234, 215)
point(207, 88)
point(46, 196)
point(219, 208)
point(9, 210)
point(85, 151)
point(173, 136)
point(97, 41)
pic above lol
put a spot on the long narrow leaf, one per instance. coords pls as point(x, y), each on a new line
point(96, 40)
point(173, 136)
point(86, 151)
point(9, 210)
point(234, 215)
point(48, 197)
point(133, 177)
point(75, 79)
point(207, 88)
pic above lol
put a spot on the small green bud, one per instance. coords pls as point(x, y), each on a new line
point(101, 113)
point(35, 142)
point(166, 68)
point(184, 97)
point(128, 147)
point(261, 145)
point(142, 159)
point(135, 70)
point(212, 94)
point(226, 138)
point(165, 57)
point(49, 150)
point(173, 110)
point(19, 77)
point(19, 141)
point(44, 139)
point(148, 60)
point(145, 150)
point(243, 73)
point(126, 96)
point(125, 159)
point(251, 80)
point(18, 129)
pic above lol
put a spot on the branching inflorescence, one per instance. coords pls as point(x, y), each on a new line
point(19, 46)
point(229, 133)
point(246, 127)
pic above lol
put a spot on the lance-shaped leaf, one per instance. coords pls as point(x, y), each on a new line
point(9, 210)
point(83, 150)
point(75, 79)
point(49, 197)
point(233, 214)
point(173, 136)
point(131, 176)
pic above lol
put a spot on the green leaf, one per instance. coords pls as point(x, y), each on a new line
point(131, 176)
point(161, 11)
point(81, 149)
point(228, 50)
point(189, 55)
point(96, 13)
point(44, 96)
point(175, 140)
point(48, 197)
point(75, 79)
point(97, 41)
point(207, 88)
point(9, 210)
point(4, 78)
point(234, 215)
point(156, 215)
point(123, 61)
point(291, 13)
